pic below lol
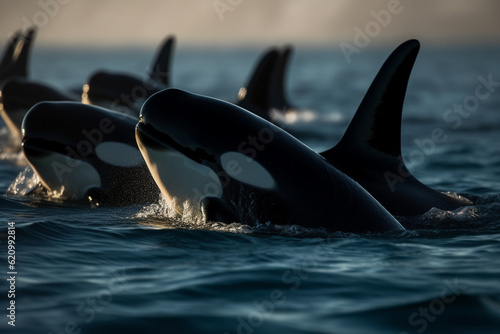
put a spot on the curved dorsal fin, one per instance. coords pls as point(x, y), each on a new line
point(255, 95)
point(21, 56)
point(160, 68)
point(370, 151)
point(377, 122)
point(8, 55)
point(277, 94)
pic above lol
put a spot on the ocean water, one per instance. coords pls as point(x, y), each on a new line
point(135, 270)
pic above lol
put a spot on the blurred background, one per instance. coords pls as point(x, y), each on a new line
point(114, 23)
point(180, 276)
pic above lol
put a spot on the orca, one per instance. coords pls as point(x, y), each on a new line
point(370, 149)
point(18, 95)
point(235, 166)
point(264, 95)
point(15, 58)
point(254, 96)
point(264, 92)
point(126, 93)
point(8, 55)
point(86, 153)
point(14, 65)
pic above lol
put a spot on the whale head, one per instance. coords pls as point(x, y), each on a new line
point(86, 153)
point(194, 145)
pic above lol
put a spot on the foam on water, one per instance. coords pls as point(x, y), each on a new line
point(480, 217)
point(25, 182)
point(163, 215)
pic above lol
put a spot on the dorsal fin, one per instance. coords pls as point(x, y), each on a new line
point(8, 55)
point(20, 65)
point(160, 68)
point(377, 122)
point(255, 95)
point(370, 150)
point(277, 96)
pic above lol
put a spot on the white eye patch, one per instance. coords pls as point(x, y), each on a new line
point(119, 154)
point(249, 171)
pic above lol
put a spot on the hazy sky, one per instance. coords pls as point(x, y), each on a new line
point(330, 22)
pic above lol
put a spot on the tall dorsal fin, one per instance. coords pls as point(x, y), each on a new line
point(255, 95)
point(160, 68)
point(8, 55)
point(20, 64)
point(277, 96)
point(377, 122)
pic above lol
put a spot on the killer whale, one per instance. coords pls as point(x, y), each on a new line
point(235, 166)
point(8, 56)
point(86, 153)
point(14, 65)
point(254, 96)
point(370, 149)
point(126, 93)
point(264, 92)
point(18, 93)
point(15, 58)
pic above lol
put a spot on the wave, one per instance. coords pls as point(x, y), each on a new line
point(482, 216)
point(457, 312)
point(162, 215)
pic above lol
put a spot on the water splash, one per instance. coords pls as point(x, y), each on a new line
point(458, 197)
point(167, 209)
point(25, 182)
point(27, 187)
point(474, 217)
point(56, 194)
point(304, 117)
point(163, 215)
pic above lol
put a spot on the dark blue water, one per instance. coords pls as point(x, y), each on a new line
point(134, 270)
